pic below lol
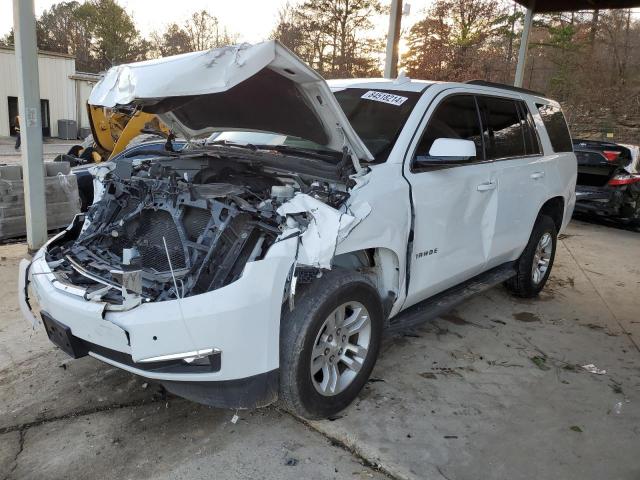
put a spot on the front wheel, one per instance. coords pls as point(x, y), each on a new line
point(534, 265)
point(329, 344)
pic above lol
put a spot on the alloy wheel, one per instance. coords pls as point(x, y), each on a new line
point(340, 348)
point(542, 258)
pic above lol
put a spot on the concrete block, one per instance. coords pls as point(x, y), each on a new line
point(53, 168)
point(61, 196)
point(11, 172)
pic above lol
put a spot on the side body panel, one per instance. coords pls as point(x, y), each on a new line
point(454, 217)
point(505, 217)
point(387, 226)
point(560, 180)
point(523, 188)
point(453, 227)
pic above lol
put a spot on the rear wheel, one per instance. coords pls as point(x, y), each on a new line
point(329, 344)
point(534, 265)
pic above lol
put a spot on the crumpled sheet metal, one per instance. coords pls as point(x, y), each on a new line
point(217, 71)
point(327, 228)
point(195, 73)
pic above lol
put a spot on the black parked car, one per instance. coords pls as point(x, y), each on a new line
point(608, 182)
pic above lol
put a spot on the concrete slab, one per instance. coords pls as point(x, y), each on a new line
point(67, 417)
point(38, 381)
point(50, 386)
point(609, 259)
point(463, 396)
point(8, 154)
point(182, 440)
point(9, 450)
point(18, 342)
point(494, 389)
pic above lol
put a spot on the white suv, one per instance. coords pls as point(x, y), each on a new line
point(268, 259)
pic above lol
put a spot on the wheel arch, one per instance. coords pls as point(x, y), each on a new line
point(381, 264)
point(554, 208)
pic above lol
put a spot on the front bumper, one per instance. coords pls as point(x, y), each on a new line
point(241, 321)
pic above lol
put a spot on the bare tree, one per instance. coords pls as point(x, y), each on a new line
point(459, 40)
point(333, 36)
point(173, 41)
point(204, 32)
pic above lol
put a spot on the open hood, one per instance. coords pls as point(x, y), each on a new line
point(262, 87)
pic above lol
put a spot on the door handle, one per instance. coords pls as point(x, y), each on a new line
point(483, 187)
point(537, 175)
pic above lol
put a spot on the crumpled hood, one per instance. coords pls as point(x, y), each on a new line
point(261, 87)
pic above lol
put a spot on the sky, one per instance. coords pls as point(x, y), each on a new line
point(252, 20)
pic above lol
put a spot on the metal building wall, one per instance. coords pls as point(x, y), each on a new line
point(55, 86)
point(84, 90)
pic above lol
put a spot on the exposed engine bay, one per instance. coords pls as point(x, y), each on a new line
point(184, 224)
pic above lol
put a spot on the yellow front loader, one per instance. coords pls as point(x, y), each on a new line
point(114, 129)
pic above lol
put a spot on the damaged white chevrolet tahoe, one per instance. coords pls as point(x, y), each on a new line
point(267, 260)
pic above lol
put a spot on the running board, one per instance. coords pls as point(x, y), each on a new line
point(443, 302)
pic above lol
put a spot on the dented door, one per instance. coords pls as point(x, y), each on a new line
point(454, 206)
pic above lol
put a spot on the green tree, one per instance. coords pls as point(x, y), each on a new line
point(173, 41)
point(64, 28)
point(115, 38)
point(7, 40)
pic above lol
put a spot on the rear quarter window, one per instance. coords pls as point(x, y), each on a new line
point(556, 127)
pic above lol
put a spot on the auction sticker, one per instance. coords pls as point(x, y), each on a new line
point(384, 97)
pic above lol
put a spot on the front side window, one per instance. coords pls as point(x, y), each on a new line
point(456, 118)
point(556, 127)
point(503, 133)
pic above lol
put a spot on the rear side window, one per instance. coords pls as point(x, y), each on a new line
point(531, 140)
point(456, 117)
point(556, 126)
point(503, 133)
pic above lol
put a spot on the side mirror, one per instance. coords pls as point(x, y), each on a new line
point(448, 151)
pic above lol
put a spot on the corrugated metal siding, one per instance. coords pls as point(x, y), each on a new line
point(55, 86)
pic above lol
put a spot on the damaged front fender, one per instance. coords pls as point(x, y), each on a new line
point(326, 227)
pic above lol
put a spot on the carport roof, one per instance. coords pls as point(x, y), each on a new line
point(545, 6)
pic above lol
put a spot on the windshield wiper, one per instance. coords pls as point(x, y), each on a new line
point(327, 155)
point(227, 143)
point(157, 153)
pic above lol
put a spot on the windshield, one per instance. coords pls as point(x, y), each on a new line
point(377, 116)
point(263, 138)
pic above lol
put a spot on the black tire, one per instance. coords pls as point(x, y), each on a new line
point(299, 329)
point(523, 284)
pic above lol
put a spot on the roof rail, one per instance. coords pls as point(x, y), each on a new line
point(503, 86)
